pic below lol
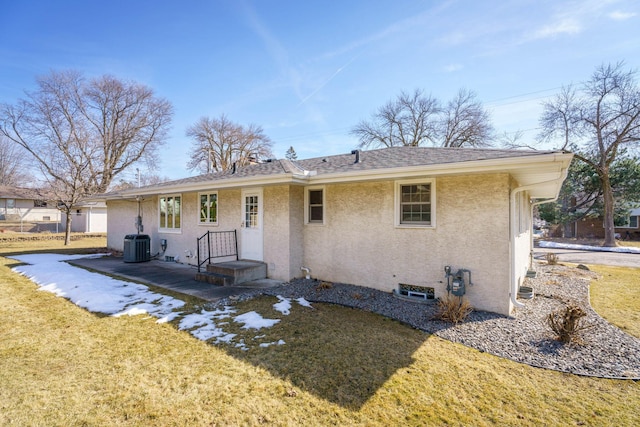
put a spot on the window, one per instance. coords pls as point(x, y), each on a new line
point(209, 208)
point(415, 204)
point(314, 206)
point(633, 222)
point(170, 212)
point(39, 204)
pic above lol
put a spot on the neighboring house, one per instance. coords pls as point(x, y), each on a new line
point(89, 217)
point(387, 219)
point(593, 228)
point(27, 205)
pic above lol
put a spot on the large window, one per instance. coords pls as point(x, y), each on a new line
point(314, 206)
point(415, 203)
point(170, 212)
point(209, 208)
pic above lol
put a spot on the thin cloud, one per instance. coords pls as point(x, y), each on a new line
point(621, 16)
point(566, 26)
point(452, 68)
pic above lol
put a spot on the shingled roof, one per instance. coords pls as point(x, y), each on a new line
point(20, 193)
point(394, 158)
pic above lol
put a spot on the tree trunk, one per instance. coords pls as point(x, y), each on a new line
point(609, 226)
point(67, 229)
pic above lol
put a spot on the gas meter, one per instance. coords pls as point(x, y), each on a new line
point(458, 281)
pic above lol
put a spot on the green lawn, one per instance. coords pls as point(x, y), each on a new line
point(63, 366)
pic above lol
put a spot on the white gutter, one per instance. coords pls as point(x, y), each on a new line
point(512, 237)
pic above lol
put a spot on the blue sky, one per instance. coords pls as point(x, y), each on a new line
point(308, 71)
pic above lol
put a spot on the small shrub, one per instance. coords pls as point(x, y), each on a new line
point(552, 259)
point(357, 295)
point(568, 323)
point(324, 285)
point(453, 309)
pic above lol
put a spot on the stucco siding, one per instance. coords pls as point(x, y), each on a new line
point(359, 242)
point(283, 206)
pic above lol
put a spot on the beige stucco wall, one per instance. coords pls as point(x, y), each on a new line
point(181, 244)
point(360, 244)
point(283, 212)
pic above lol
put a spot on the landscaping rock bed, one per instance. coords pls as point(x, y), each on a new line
point(603, 351)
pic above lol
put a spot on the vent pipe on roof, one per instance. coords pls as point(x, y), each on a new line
point(357, 153)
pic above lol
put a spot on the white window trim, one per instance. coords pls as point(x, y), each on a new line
point(397, 196)
point(324, 205)
point(214, 223)
point(171, 230)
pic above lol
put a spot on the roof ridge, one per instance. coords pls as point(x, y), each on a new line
point(290, 167)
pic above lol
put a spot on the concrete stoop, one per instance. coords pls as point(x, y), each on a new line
point(233, 273)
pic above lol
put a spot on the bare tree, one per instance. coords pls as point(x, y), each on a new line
point(465, 123)
point(218, 143)
point(83, 133)
point(408, 120)
point(416, 120)
point(598, 121)
point(13, 164)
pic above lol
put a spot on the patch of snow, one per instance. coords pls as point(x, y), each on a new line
point(93, 291)
point(269, 344)
point(284, 306)
point(618, 249)
point(303, 302)
point(103, 294)
point(253, 320)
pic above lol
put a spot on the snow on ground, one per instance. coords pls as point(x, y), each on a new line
point(619, 249)
point(103, 294)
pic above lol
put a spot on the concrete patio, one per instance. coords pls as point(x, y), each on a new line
point(168, 275)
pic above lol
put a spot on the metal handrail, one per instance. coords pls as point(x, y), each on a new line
point(217, 244)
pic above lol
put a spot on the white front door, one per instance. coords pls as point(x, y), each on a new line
point(251, 238)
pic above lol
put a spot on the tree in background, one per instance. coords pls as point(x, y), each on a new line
point(415, 119)
point(83, 133)
point(465, 123)
point(13, 164)
point(291, 154)
point(581, 194)
point(599, 121)
point(218, 143)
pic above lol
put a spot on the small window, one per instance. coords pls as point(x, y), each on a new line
point(314, 206)
point(415, 203)
point(209, 208)
point(39, 204)
point(633, 222)
point(170, 212)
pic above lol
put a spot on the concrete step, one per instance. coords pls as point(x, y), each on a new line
point(233, 272)
point(214, 278)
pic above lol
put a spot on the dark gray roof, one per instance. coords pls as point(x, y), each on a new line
point(385, 158)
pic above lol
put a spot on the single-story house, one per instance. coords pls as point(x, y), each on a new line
point(593, 228)
point(26, 204)
point(88, 217)
point(392, 219)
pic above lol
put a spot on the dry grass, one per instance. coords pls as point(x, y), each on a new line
point(60, 365)
point(453, 309)
point(616, 296)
